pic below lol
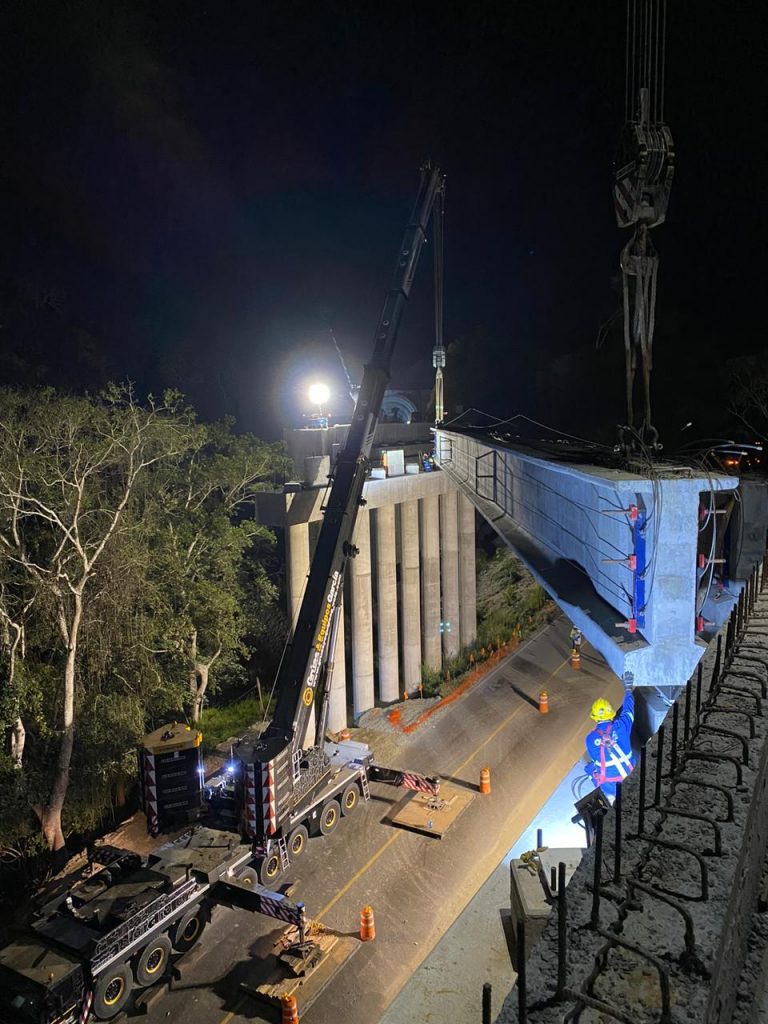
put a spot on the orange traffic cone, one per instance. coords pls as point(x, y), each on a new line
point(394, 716)
point(575, 658)
point(544, 702)
point(345, 734)
point(485, 780)
point(367, 926)
point(290, 1012)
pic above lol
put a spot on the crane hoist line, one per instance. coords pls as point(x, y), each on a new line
point(643, 173)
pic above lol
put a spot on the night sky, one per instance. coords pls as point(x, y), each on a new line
point(192, 194)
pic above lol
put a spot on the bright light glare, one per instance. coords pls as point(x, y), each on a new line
point(319, 394)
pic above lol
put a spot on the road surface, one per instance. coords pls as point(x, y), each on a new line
point(417, 885)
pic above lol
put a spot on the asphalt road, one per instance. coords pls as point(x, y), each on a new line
point(417, 885)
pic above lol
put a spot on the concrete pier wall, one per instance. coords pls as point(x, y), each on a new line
point(415, 570)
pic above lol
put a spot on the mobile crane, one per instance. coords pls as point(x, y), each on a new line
point(114, 931)
point(288, 787)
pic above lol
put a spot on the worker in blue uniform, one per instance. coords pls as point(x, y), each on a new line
point(609, 746)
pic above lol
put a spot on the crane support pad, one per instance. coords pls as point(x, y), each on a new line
point(271, 979)
point(431, 815)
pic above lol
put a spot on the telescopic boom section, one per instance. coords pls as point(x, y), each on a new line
point(302, 667)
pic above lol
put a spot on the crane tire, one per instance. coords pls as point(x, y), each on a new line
point(249, 877)
point(112, 991)
point(154, 961)
point(350, 798)
point(297, 841)
point(271, 871)
point(188, 930)
point(329, 817)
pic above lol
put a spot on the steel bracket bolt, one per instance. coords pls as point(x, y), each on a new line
point(703, 561)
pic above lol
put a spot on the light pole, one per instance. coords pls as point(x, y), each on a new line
point(319, 394)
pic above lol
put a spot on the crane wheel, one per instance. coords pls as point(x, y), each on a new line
point(270, 871)
point(350, 798)
point(329, 817)
point(154, 961)
point(297, 841)
point(112, 991)
point(249, 877)
point(189, 929)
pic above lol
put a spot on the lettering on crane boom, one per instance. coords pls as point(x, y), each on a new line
point(322, 633)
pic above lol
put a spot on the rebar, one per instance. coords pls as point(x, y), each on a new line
point(562, 932)
point(641, 802)
point(699, 672)
point(659, 765)
point(596, 878)
point(617, 837)
point(487, 1003)
point(687, 716)
point(673, 752)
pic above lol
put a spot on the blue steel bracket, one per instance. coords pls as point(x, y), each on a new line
point(638, 588)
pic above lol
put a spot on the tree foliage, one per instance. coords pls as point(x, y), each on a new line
point(748, 394)
point(131, 582)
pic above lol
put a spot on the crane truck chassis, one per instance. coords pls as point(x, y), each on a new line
point(86, 949)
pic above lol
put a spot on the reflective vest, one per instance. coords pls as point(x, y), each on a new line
point(610, 748)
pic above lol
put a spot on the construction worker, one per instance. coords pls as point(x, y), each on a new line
point(608, 745)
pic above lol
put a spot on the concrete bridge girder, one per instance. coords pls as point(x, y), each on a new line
point(616, 551)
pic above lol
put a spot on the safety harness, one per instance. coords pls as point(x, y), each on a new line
point(611, 757)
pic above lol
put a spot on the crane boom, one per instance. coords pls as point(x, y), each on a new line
point(281, 770)
point(300, 673)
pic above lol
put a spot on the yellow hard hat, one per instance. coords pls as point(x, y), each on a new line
point(602, 710)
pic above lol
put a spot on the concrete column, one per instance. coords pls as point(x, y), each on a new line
point(337, 711)
point(386, 600)
point(430, 581)
point(449, 571)
point(467, 572)
point(362, 618)
point(410, 593)
point(297, 542)
point(297, 560)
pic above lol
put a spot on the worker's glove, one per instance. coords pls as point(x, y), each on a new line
point(629, 682)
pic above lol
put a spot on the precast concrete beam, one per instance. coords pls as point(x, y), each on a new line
point(362, 618)
point(386, 602)
point(449, 572)
point(410, 593)
point(429, 532)
point(616, 550)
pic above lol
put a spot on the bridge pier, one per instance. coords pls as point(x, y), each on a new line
point(415, 569)
point(410, 590)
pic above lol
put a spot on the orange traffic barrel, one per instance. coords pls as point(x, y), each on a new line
point(345, 734)
point(394, 716)
point(290, 1012)
point(485, 780)
point(575, 658)
point(367, 926)
point(544, 702)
